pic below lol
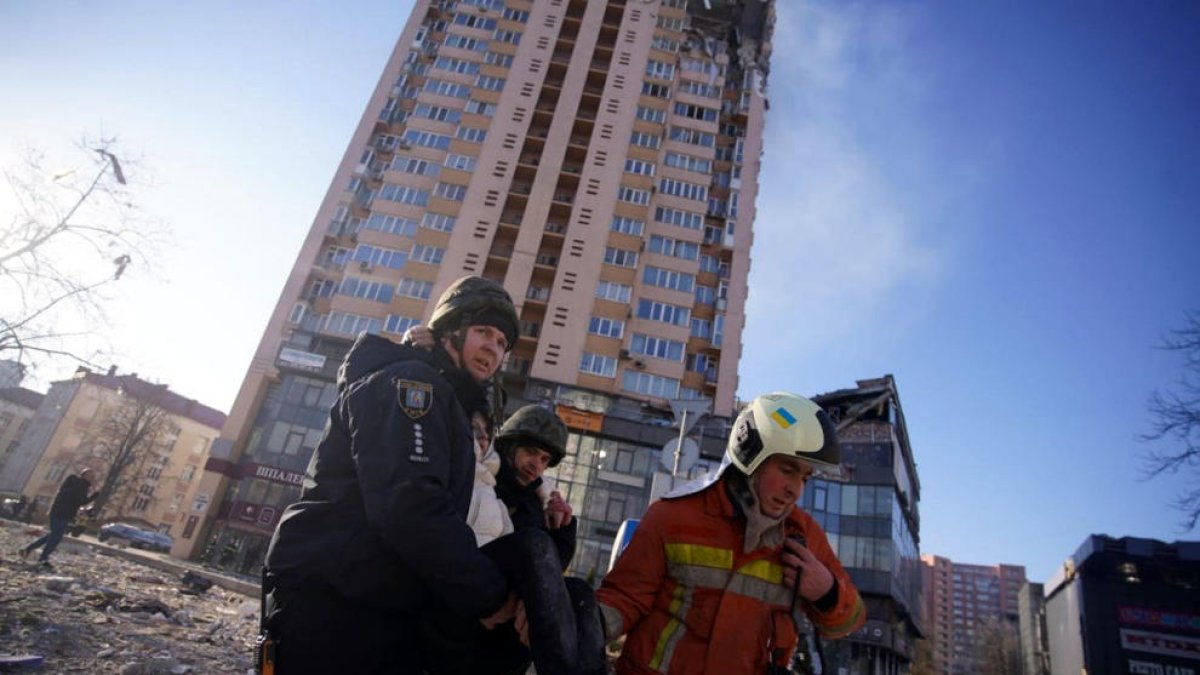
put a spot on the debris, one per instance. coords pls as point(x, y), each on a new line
point(107, 615)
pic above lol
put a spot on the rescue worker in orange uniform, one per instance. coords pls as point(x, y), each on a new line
point(708, 583)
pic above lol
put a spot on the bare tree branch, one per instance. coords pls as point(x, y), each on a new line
point(73, 235)
point(1175, 422)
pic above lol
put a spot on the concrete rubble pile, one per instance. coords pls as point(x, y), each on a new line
point(93, 613)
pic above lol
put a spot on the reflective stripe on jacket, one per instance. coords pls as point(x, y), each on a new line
point(691, 601)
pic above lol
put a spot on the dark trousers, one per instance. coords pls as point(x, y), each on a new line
point(565, 634)
point(58, 528)
point(319, 632)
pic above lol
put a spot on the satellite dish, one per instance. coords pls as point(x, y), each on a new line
point(691, 453)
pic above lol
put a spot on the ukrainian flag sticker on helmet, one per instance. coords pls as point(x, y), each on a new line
point(783, 418)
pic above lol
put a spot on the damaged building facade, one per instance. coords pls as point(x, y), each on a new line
point(870, 514)
point(600, 159)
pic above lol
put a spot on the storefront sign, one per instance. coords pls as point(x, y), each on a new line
point(273, 474)
point(301, 359)
point(580, 419)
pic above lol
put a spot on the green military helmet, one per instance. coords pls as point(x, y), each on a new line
point(473, 301)
point(533, 426)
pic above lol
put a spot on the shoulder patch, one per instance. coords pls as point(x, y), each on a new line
point(415, 398)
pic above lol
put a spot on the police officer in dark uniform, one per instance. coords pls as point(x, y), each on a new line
point(378, 540)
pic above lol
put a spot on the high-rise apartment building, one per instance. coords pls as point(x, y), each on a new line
point(600, 159)
point(972, 614)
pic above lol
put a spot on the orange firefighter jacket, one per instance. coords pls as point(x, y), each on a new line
point(692, 602)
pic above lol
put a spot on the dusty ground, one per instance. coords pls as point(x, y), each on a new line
point(97, 614)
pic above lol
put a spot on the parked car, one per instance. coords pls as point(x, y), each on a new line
point(137, 537)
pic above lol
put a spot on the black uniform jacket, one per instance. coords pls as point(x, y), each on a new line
point(525, 508)
point(381, 517)
point(72, 494)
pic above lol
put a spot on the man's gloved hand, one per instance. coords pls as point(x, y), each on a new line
point(815, 578)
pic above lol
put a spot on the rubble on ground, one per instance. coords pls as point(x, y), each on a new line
point(93, 613)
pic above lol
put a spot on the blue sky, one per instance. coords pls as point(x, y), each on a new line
point(995, 203)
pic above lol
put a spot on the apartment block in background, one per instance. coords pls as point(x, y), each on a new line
point(870, 514)
point(1127, 605)
point(158, 438)
point(599, 158)
point(972, 614)
point(17, 407)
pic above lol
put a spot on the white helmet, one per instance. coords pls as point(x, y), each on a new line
point(783, 424)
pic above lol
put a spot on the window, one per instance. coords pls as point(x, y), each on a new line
point(431, 255)
point(639, 167)
point(664, 44)
point(414, 288)
point(376, 291)
point(471, 134)
point(426, 139)
point(461, 42)
point(377, 256)
point(685, 135)
point(678, 188)
point(421, 167)
point(438, 221)
point(395, 323)
point(322, 288)
point(628, 226)
point(651, 114)
point(651, 385)
point(664, 278)
point(444, 88)
point(602, 325)
point(633, 195)
point(454, 65)
point(520, 16)
point(188, 473)
point(644, 140)
point(402, 227)
point(620, 257)
point(699, 89)
point(437, 113)
point(489, 83)
point(450, 191)
point(480, 108)
point(664, 312)
point(656, 90)
point(706, 295)
point(403, 194)
point(698, 66)
point(610, 290)
point(677, 248)
point(708, 264)
point(659, 348)
point(475, 21)
point(605, 366)
point(511, 37)
point(460, 162)
point(701, 328)
point(691, 221)
point(688, 162)
point(497, 59)
point(344, 323)
point(696, 112)
point(660, 70)
point(670, 23)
